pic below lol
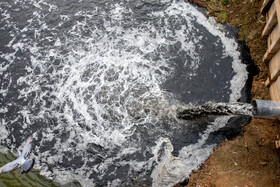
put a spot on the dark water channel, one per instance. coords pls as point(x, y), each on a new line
point(98, 84)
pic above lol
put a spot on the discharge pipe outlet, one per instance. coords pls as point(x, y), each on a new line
point(266, 109)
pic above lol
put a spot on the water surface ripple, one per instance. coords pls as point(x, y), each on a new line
point(99, 83)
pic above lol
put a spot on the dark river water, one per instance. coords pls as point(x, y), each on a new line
point(98, 83)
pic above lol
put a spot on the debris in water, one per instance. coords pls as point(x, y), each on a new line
point(26, 165)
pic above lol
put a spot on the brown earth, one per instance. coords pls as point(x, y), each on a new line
point(251, 159)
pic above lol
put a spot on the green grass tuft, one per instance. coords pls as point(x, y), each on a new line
point(225, 1)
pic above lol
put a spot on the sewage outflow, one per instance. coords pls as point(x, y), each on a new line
point(96, 82)
point(258, 108)
point(212, 108)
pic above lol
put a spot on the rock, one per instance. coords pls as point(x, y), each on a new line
point(277, 144)
point(263, 163)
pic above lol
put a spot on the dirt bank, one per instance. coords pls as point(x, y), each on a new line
point(251, 159)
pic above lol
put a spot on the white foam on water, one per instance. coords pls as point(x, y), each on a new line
point(100, 87)
point(3, 130)
point(172, 168)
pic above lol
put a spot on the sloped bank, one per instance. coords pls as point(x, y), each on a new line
point(250, 159)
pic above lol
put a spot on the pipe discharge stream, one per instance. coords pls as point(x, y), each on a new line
point(258, 108)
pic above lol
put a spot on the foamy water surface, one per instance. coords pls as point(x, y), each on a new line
point(99, 82)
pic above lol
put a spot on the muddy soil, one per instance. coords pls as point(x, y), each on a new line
point(251, 159)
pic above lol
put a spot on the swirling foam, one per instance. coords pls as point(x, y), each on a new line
point(92, 85)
